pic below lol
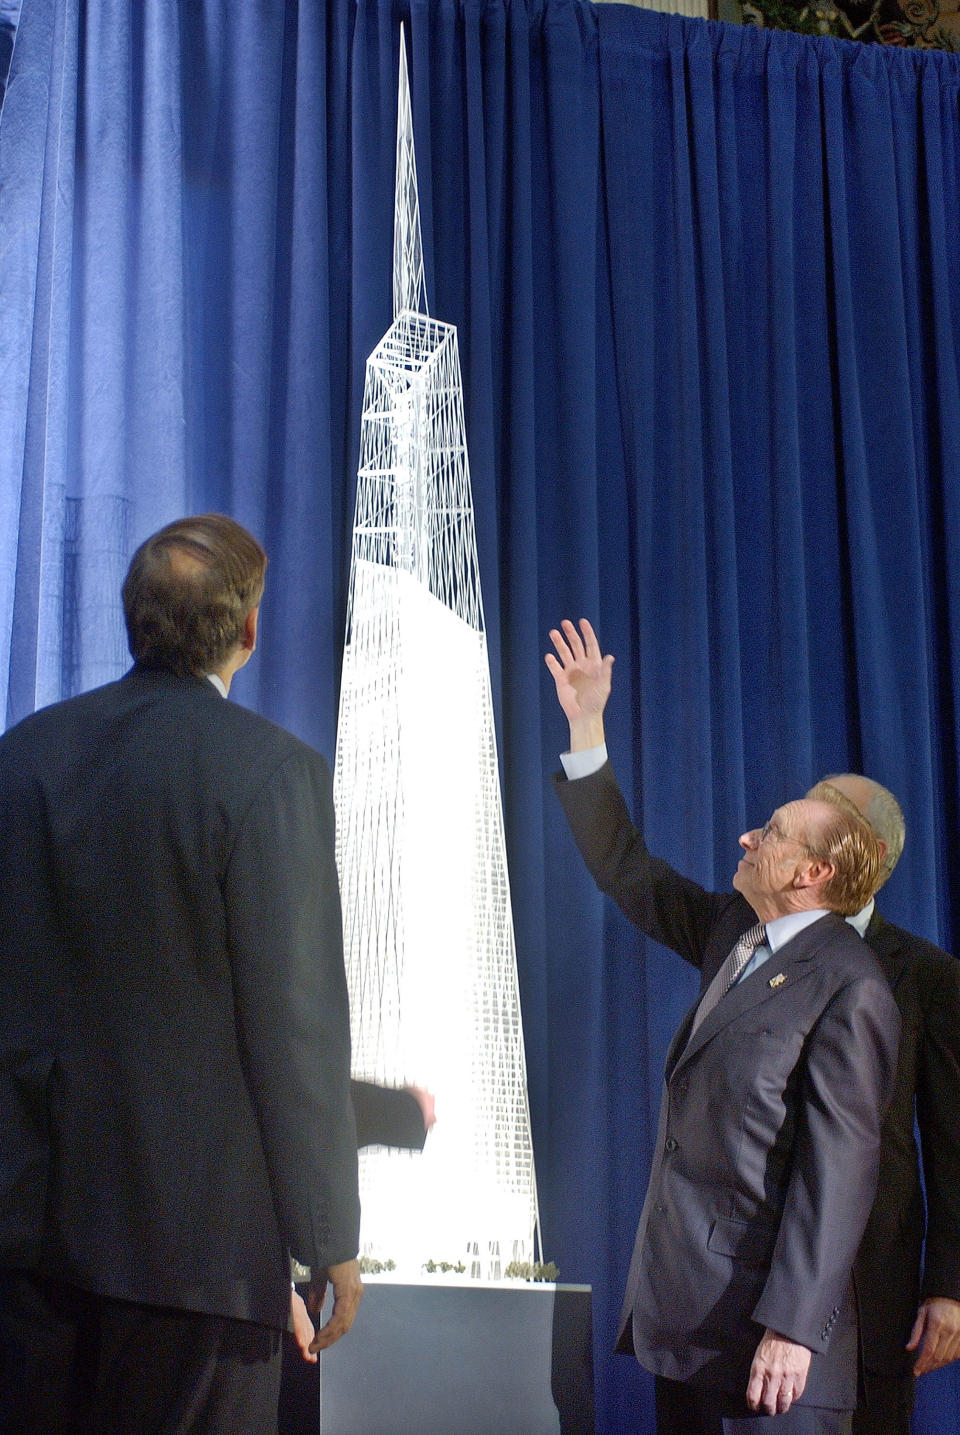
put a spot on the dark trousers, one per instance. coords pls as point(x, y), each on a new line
point(886, 1407)
point(689, 1410)
point(72, 1363)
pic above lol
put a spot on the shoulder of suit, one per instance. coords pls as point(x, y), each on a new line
point(258, 734)
point(262, 741)
point(917, 951)
point(49, 721)
point(847, 950)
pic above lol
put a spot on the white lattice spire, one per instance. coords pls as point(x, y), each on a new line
point(427, 922)
point(409, 282)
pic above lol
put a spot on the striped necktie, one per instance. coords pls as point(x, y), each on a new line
point(730, 969)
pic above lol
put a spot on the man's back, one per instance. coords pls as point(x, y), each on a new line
point(178, 1014)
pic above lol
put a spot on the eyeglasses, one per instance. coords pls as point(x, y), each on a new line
point(771, 833)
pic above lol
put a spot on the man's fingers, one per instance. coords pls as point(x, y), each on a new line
point(925, 1346)
point(341, 1319)
point(347, 1290)
point(771, 1394)
point(574, 649)
point(574, 639)
point(765, 1393)
point(936, 1334)
point(335, 1328)
point(563, 650)
point(785, 1398)
point(931, 1355)
point(303, 1331)
point(591, 645)
point(778, 1374)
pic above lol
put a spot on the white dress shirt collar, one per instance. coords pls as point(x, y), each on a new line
point(860, 921)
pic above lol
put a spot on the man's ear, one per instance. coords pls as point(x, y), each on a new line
point(249, 640)
point(812, 874)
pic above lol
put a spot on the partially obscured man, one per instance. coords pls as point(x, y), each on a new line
point(739, 1297)
point(175, 1113)
point(907, 1272)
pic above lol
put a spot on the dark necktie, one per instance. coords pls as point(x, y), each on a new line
point(730, 969)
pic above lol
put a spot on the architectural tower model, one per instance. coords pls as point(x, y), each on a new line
point(428, 931)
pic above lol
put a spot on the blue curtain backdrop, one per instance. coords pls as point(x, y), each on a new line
point(709, 331)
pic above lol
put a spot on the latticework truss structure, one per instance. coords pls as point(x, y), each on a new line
point(428, 930)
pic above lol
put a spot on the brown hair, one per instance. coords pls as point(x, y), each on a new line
point(188, 591)
point(848, 843)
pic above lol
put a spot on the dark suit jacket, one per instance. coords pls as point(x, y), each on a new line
point(174, 1030)
point(890, 1276)
point(765, 1164)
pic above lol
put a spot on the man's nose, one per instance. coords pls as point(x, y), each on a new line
point(750, 840)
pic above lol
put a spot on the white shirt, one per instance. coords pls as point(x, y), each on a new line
point(860, 921)
point(779, 932)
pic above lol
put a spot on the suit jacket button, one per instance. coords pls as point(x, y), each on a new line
point(670, 1144)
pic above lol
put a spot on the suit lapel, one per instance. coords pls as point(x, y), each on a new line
point(776, 975)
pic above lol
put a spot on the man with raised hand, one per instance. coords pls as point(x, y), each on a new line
point(175, 1119)
point(739, 1296)
point(907, 1271)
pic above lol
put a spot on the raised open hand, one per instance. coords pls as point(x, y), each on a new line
point(583, 676)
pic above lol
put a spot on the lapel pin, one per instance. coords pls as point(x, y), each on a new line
point(777, 981)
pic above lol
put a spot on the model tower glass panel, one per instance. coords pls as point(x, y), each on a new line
point(428, 931)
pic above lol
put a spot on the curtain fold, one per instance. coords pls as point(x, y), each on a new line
point(709, 330)
point(785, 343)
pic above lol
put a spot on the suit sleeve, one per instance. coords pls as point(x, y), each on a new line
point(665, 905)
point(938, 1117)
point(387, 1116)
point(845, 1086)
point(293, 1025)
point(32, 984)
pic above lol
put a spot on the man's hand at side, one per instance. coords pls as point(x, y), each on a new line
point(347, 1290)
point(778, 1374)
point(303, 1331)
point(936, 1334)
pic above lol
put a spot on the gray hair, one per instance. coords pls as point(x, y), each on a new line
point(885, 816)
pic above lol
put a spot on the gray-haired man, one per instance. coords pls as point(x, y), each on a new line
point(907, 1273)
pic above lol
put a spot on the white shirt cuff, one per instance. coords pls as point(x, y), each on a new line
point(585, 763)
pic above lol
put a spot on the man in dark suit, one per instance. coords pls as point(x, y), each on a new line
point(907, 1271)
point(174, 1030)
point(739, 1295)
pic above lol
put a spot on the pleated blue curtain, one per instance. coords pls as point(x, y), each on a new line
point(169, 306)
point(708, 328)
point(778, 217)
